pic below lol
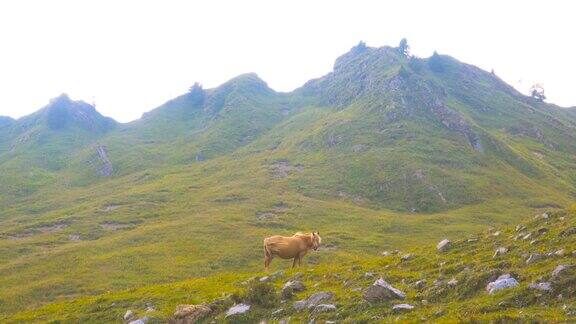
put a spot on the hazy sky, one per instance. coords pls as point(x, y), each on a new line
point(131, 56)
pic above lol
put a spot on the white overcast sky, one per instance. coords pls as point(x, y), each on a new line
point(131, 56)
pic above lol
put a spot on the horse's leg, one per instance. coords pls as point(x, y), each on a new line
point(294, 262)
point(300, 260)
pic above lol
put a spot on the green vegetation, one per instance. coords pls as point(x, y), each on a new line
point(386, 152)
point(470, 263)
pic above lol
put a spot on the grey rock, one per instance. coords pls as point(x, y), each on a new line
point(369, 275)
point(452, 283)
point(420, 284)
point(542, 286)
point(560, 270)
point(407, 257)
point(142, 320)
point(534, 257)
point(324, 308)
point(520, 228)
point(238, 309)
point(381, 290)
point(313, 301)
point(503, 282)
point(567, 232)
point(443, 245)
point(402, 308)
point(128, 315)
point(500, 251)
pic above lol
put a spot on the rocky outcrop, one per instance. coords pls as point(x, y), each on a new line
point(105, 165)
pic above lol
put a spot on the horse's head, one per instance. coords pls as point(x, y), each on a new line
point(316, 240)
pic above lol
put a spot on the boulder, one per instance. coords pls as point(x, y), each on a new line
point(402, 308)
point(238, 309)
point(380, 291)
point(444, 245)
point(503, 282)
point(191, 313)
point(313, 301)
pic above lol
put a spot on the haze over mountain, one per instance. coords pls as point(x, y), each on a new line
point(385, 150)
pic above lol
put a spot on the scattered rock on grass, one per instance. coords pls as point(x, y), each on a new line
point(402, 308)
point(407, 257)
point(238, 310)
point(142, 320)
point(500, 251)
point(534, 257)
point(542, 286)
point(191, 313)
point(503, 282)
point(290, 287)
point(128, 315)
point(313, 301)
point(324, 308)
point(381, 290)
point(444, 245)
point(560, 270)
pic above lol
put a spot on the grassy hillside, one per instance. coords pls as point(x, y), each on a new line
point(385, 152)
point(442, 286)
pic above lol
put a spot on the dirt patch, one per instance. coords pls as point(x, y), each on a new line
point(19, 236)
point(284, 168)
point(266, 215)
point(112, 226)
point(230, 199)
point(109, 208)
point(328, 247)
point(52, 228)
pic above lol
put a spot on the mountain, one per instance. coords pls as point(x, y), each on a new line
point(35, 147)
point(386, 151)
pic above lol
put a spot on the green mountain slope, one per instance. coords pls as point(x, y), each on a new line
point(443, 286)
point(386, 151)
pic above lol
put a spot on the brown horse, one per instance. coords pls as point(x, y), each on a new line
point(288, 247)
